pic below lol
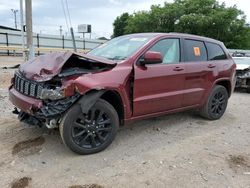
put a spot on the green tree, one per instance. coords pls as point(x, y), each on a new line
point(119, 24)
point(248, 38)
point(206, 18)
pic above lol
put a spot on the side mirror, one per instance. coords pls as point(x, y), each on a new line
point(151, 57)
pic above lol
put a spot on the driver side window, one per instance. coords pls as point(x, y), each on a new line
point(169, 49)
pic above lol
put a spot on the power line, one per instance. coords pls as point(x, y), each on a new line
point(64, 12)
point(68, 20)
point(68, 12)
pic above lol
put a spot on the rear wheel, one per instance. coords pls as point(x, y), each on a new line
point(216, 104)
point(92, 132)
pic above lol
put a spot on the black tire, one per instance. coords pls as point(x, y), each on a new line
point(248, 85)
point(90, 133)
point(216, 104)
point(248, 89)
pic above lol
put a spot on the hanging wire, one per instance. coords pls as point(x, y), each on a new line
point(68, 21)
point(68, 12)
point(64, 12)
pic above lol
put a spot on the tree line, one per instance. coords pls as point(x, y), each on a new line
point(206, 18)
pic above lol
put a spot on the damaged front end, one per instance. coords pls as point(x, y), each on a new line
point(49, 114)
point(242, 73)
point(243, 79)
point(43, 89)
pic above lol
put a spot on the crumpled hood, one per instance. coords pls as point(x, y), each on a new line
point(45, 67)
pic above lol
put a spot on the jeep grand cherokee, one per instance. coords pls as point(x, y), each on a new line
point(132, 77)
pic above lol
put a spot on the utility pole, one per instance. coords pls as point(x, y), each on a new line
point(73, 39)
point(21, 25)
point(28, 15)
point(14, 12)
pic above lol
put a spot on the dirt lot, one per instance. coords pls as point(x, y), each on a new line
point(179, 150)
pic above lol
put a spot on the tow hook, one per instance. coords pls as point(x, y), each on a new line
point(52, 124)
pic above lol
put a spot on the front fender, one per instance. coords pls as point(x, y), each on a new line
point(89, 99)
point(116, 80)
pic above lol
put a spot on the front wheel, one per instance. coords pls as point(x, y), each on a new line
point(216, 104)
point(92, 132)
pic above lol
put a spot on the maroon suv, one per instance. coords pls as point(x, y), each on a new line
point(132, 77)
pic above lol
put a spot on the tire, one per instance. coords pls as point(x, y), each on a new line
point(216, 104)
point(248, 89)
point(90, 133)
point(248, 85)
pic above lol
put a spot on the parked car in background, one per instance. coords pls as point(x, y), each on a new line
point(132, 77)
point(240, 54)
point(242, 72)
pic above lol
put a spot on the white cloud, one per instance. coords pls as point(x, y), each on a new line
point(48, 15)
point(243, 5)
point(115, 2)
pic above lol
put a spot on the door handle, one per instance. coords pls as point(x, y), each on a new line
point(178, 69)
point(211, 66)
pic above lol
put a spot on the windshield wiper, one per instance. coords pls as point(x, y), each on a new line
point(117, 58)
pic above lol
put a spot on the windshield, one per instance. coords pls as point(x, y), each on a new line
point(245, 61)
point(120, 48)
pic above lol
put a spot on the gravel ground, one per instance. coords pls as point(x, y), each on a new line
point(178, 150)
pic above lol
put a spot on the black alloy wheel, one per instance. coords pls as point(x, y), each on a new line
point(216, 104)
point(92, 132)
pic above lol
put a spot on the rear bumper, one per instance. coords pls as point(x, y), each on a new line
point(24, 103)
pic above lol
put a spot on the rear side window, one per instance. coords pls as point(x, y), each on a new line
point(195, 50)
point(215, 52)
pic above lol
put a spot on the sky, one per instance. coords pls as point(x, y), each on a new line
point(48, 15)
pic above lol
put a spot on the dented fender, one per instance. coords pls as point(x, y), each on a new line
point(81, 86)
point(119, 80)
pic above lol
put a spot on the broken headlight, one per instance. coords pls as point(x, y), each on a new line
point(245, 75)
point(52, 94)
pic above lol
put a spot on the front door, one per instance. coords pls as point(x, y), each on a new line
point(159, 87)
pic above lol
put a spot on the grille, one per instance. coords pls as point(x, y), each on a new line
point(27, 87)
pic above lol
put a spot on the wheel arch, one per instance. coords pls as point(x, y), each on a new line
point(111, 96)
point(114, 98)
point(225, 83)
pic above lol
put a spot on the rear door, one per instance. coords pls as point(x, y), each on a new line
point(198, 71)
point(159, 87)
point(217, 57)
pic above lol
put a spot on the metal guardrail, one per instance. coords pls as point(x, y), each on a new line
point(16, 50)
point(10, 43)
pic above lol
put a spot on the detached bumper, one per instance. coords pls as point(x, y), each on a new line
point(24, 103)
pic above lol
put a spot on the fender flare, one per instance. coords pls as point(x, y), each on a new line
point(89, 99)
